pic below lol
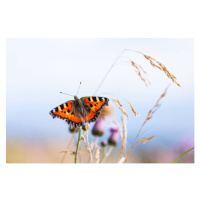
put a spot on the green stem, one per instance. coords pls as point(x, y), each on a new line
point(77, 146)
point(183, 154)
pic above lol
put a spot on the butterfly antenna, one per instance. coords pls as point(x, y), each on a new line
point(66, 94)
point(78, 89)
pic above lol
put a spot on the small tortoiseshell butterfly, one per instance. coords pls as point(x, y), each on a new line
point(79, 111)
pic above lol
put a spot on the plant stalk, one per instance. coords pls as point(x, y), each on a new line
point(183, 155)
point(107, 154)
point(77, 146)
point(109, 70)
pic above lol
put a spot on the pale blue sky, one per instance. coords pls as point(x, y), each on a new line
point(38, 69)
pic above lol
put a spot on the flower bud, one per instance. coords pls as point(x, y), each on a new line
point(85, 126)
point(104, 143)
point(72, 129)
point(114, 138)
point(98, 128)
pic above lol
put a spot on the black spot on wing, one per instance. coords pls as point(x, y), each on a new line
point(68, 111)
point(56, 109)
point(100, 98)
point(89, 99)
point(91, 105)
point(67, 104)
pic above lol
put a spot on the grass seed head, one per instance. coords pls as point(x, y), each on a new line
point(161, 67)
point(119, 105)
point(143, 140)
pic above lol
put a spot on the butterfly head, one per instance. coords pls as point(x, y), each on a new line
point(76, 98)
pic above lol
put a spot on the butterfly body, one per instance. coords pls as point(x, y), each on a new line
point(79, 111)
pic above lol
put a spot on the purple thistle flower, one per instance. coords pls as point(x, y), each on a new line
point(104, 143)
point(114, 138)
point(98, 128)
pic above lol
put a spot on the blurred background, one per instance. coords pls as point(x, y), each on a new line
point(38, 69)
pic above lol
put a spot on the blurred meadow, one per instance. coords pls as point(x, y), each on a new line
point(38, 69)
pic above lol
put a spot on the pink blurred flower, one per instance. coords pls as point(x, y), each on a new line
point(114, 138)
point(99, 126)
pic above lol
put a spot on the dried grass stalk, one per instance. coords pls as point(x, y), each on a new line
point(143, 140)
point(134, 111)
point(154, 109)
point(117, 102)
point(149, 116)
point(153, 62)
point(140, 71)
point(119, 105)
point(161, 67)
point(124, 139)
point(121, 160)
point(87, 145)
point(97, 154)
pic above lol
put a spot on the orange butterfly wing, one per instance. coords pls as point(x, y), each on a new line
point(64, 111)
point(96, 104)
point(91, 117)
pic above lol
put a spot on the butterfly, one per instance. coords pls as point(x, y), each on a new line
point(79, 111)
